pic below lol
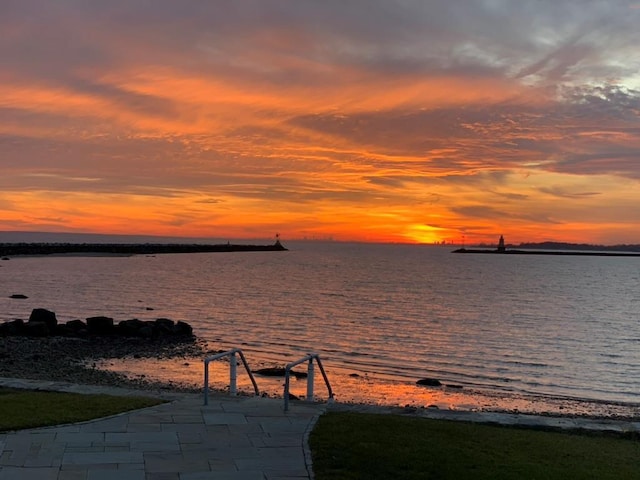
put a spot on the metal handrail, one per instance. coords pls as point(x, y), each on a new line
point(233, 364)
point(310, 378)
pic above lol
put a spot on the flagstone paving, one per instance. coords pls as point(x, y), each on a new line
point(230, 438)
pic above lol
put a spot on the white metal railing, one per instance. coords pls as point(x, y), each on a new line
point(310, 378)
point(233, 374)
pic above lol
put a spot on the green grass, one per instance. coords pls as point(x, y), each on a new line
point(20, 409)
point(369, 446)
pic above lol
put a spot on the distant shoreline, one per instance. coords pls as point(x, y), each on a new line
point(547, 252)
point(90, 249)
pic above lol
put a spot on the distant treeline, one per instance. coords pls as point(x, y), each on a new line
point(580, 246)
point(11, 249)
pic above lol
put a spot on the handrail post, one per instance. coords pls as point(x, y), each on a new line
point(286, 388)
point(233, 373)
point(246, 367)
point(326, 379)
point(310, 380)
point(206, 381)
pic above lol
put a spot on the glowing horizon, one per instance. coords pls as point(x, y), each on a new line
point(372, 121)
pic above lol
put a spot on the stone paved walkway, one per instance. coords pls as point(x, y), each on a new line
point(231, 438)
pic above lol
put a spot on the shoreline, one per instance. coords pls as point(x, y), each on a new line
point(86, 362)
point(547, 252)
point(74, 360)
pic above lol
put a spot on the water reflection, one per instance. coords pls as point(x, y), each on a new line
point(365, 389)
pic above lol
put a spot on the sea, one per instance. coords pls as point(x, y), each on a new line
point(528, 333)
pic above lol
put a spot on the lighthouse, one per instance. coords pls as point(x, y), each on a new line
point(501, 248)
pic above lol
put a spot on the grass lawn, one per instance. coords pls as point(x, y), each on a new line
point(370, 446)
point(20, 409)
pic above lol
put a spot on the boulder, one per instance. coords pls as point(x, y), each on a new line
point(270, 372)
point(147, 330)
point(13, 327)
point(63, 330)
point(36, 329)
point(429, 382)
point(182, 328)
point(76, 325)
point(100, 325)
point(46, 316)
point(130, 328)
point(18, 295)
point(278, 372)
point(73, 328)
point(164, 326)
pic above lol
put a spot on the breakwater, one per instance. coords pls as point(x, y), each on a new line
point(15, 249)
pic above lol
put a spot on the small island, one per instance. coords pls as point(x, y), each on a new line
point(549, 248)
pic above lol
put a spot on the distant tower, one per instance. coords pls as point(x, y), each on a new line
point(501, 244)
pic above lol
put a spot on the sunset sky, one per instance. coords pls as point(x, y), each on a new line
point(368, 120)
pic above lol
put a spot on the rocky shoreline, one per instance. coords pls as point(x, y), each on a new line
point(43, 349)
point(70, 359)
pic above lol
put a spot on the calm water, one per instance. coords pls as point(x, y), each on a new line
point(548, 326)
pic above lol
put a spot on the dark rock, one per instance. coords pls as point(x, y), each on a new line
point(278, 372)
point(100, 325)
point(14, 327)
point(45, 316)
point(130, 328)
point(77, 325)
point(182, 328)
point(354, 375)
point(146, 331)
point(164, 326)
point(36, 329)
point(454, 387)
point(270, 372)
point(18, 295)
point(429, 382)
point(97, 326)
point(63, 330)
point(73, 328)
